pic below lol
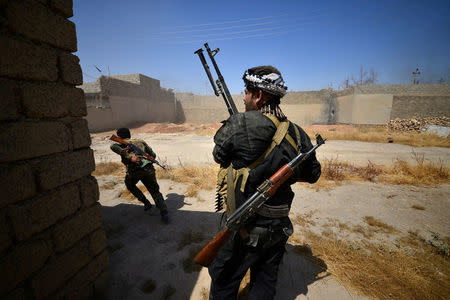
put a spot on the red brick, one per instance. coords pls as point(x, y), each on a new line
point(24, 60)
point(40, 23)
point(84, 279)
point(43, 211)
point(32, 139)
point(80, 134)
point(62, 6)
point(70, 69)
point(17, 183)
point(74, 229)
point(22, 262)
point(60, 269)
point(48, 100)
point(78, 108)
point(63, 168)
point(10, 97)
point(89, 190)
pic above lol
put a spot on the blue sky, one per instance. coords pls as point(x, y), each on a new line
point(315, 44)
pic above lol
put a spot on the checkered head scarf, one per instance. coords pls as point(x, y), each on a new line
point(271, 83)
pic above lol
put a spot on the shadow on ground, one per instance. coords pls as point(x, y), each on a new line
point(151, 260)
point(298, 270)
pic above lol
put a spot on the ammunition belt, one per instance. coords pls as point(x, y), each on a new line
point(271, 211)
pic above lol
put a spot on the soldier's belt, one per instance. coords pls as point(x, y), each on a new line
point(271, 211)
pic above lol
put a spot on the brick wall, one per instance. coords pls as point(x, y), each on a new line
point(52, 244)
point(408, 106)
point(439, 89)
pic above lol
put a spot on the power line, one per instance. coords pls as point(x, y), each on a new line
point(332, 8)
point(87, 75)
point(286, 29)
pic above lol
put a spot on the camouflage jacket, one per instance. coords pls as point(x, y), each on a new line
point(126, 155)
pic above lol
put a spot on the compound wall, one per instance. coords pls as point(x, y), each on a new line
point(301, 107)
point(378, 104)
point(128, 100)
point(363, 108)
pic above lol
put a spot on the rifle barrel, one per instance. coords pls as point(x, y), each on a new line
point(226, 95)
point(206, 67)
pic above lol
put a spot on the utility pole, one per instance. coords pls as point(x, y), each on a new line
point(417, 72)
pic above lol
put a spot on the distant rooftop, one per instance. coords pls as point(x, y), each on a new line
point(136, 78)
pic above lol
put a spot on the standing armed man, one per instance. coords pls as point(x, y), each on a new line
point(136, 173)
point(251, 147)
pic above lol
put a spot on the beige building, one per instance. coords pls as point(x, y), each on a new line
point(126, 101)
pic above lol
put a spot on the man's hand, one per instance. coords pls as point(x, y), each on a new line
point(136, 160)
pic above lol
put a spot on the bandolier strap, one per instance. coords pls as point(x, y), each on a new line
point(233, 175)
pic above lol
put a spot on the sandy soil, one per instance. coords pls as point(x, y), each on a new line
point(143, 250)
point(177, 149)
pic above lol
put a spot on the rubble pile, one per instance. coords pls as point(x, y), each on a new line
point(417, 124)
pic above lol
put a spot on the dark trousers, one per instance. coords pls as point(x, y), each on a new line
point(149, 181)
point(232, 263)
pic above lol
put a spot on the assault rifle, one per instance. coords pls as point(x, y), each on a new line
point(250, 207)
point(221, 85)
point(136, 151)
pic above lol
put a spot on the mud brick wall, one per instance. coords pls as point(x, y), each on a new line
point(409, 106)
point(52, 244)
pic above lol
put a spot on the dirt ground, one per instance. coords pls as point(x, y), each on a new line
point(150, 260)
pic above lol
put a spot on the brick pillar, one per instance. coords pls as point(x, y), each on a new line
point(52, 244)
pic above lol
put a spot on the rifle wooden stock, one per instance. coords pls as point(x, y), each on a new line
point(206, 256)
point(117, 139)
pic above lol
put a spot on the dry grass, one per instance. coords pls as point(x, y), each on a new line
point(126, 194)
point(109, 185)
point(334, 173)
point(424, 172)
point(418, 207)
point(109, 168)
point(188, 264)
point(304, 219)
point(198, 178)
point(379, 226)
point(189, 238)
point(380, 134)
point(382, 272)
point(204, 294)
point(427, 173)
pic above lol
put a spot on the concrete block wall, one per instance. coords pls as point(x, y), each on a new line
point(52, 244)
